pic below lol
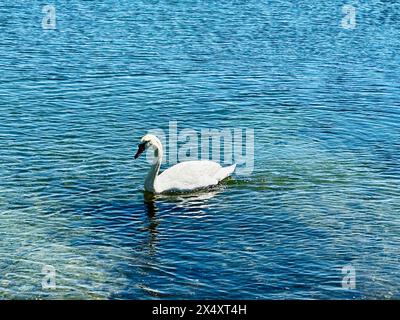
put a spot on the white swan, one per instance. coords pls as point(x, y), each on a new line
point(184, 176)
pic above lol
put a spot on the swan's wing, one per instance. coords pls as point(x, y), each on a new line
point(189, 175)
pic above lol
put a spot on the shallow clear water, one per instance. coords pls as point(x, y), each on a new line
point(324, 104)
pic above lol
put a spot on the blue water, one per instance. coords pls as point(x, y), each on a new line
point(324, 103)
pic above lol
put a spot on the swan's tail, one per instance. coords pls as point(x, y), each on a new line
point(225, 172)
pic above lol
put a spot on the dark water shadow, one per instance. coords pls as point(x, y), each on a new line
point(174, 203)
point(150, 265)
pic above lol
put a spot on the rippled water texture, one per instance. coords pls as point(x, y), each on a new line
point(324, 105)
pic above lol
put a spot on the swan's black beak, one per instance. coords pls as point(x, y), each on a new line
point(141, 148)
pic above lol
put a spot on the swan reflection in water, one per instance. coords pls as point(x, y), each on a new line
point(194, 204)
point(188, 201)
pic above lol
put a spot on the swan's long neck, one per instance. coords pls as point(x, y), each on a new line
point(150, 183)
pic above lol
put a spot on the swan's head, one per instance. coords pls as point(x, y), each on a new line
point(147, 141)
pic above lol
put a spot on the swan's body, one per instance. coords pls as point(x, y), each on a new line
point(184, 176)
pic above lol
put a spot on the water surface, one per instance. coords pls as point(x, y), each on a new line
point(324, 105)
